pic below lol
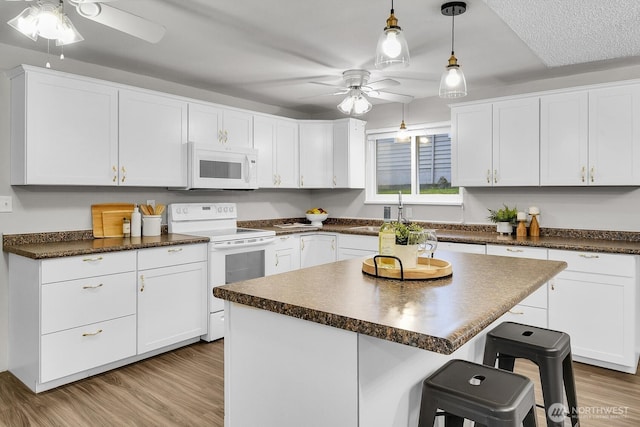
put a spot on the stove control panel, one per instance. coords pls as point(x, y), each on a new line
point(201, 211)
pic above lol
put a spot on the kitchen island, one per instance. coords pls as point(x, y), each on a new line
point(329, 345)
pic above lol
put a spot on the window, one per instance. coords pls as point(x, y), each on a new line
point(419, 167)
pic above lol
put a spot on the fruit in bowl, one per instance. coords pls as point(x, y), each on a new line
point(316, 216)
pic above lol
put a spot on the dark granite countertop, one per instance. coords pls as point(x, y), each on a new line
point(576, 240)
point(62, 248)
point(439, 315)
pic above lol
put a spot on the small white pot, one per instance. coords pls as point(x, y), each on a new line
point(504, 227)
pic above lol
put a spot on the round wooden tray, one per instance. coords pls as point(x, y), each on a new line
point(438, 269)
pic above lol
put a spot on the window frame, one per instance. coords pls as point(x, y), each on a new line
point(371, 196)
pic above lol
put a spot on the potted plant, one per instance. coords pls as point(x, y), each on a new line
point(407, 253)
point(504, 218)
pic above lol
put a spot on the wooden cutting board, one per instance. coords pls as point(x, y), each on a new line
point(96, 215)
point(112, 222)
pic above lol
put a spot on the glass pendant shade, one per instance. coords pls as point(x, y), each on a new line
point(403, 134)
point(26, 22)
point(68, 33)
point(453, 83)
point(355, 104)
point(392, 46)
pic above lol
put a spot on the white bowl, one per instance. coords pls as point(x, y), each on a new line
point(316, 219)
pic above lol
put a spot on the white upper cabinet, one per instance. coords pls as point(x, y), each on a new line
point(212, 124)
point(471, 142)
point(564, 139)
point(316, 154)
point(153, 137)
point(591, 137)
point(277, 143)
point(614, 136)
point(348, 153)
point(64, 130)
point(516, 142)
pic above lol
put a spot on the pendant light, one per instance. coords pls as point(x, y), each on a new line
point(453, 83)
point(402, 135)
point(392, 46)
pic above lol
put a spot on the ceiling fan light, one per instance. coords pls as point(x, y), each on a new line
point(453, 84)
point(361, 106)
point(49, 21)
point(347, 104)
point(68, 33)
point(26, 22)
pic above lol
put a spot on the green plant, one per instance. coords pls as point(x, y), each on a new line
point(402, 231)
point(504, 214)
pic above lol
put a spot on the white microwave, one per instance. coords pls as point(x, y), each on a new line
point(218, 168)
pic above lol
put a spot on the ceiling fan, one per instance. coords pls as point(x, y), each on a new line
point(358, 89)
point(98, 11)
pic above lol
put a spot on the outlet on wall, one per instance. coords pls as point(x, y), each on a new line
point(6, 204)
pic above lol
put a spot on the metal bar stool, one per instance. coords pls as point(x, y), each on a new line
point(551, 351)
point(486, 395)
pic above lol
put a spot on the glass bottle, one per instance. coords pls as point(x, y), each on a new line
point(386, 240)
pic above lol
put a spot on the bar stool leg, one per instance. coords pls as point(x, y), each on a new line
point(530, 419)
point(490, 354)
point(506, 362)
point(428, 411)
point(570, 388)
point(453, 421)
point(552, 391)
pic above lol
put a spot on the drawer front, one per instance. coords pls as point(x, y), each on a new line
point(469, 248)
point(171, 255)
point(595, 262)
point(517, 251)
point(76, 350)
point(80, 302)
point(527, 315)
point(369, 243)
point(77, 267)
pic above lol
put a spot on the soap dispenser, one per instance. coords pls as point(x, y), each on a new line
point(136, 222)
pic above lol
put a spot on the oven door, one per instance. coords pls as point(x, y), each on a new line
point(213, 168)
point(231, 263)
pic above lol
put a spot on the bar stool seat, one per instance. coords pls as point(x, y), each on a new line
point(551, 351)
point(486, 395)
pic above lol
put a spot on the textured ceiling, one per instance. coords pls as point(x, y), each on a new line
point(564, 32)
point(271, 51)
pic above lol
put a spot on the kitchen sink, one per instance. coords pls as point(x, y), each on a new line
point(372, 228)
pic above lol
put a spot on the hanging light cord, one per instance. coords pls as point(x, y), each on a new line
point(453, 25)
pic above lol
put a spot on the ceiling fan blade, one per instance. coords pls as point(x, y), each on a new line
point(330, 85)
point(340, 92)
point(381, 84)
point(122, 21)
point(387, 96)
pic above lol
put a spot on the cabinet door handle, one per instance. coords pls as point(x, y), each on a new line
point(335, 180)
point(226, 136)
point(592, 174)
point(495, 176)
point(277, 260)
point(94, 259)
point(92, 286)
point(124, 174)
point(488, 176)
point(173, 250)
point(589, 256)
point(115, 173)
point(553, 285)
point(301, 244)
point(142, 283)
point(90, 334)
point(333, 245)
point(516, 312)
point(514, 250)
point(583, 173)
point(301, 181)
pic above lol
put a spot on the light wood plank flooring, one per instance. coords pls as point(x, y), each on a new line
point(185, 388)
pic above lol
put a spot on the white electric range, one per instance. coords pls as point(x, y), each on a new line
point(235, 254)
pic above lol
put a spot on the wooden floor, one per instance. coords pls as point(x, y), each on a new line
point(185, 388)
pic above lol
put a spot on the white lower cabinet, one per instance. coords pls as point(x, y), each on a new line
point(533, 310)
point(172, 300)
point(594, 300)
point(72, 317)
point(283, 255)
point(316, 249)
point(355, 246)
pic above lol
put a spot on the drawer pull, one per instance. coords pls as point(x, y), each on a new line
point(92, 286)
point(516, 312)
point(90, 334)
point(589, 256)
point(514, 250)
point(174, 250)
point(97, 258)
